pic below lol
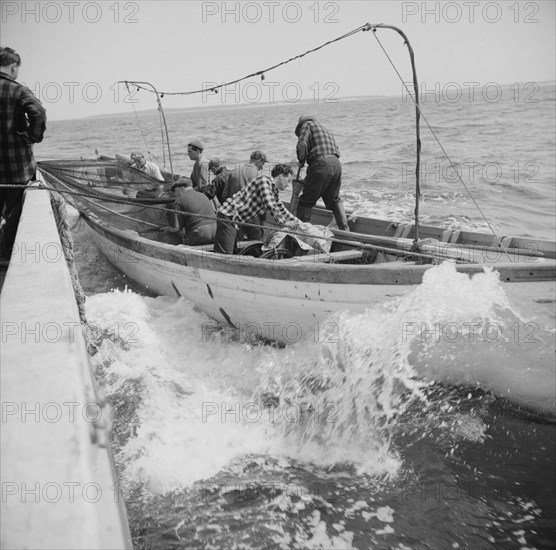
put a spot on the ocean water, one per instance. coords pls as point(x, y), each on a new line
point(369, 436)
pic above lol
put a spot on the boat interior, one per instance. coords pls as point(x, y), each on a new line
point(130, 200)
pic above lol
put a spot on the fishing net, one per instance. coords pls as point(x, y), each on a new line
point(113, 190)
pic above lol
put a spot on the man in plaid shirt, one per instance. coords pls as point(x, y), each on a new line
point(256, 198)
point(22, 123)
point(317, 147)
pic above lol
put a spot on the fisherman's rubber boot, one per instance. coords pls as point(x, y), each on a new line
point(304, 213)
point(340, 215)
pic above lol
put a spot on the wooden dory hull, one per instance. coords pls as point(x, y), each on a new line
point(282, 300)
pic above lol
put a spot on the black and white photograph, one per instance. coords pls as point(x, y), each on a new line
point(278, 275)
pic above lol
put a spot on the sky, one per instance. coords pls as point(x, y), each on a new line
point(75, 52)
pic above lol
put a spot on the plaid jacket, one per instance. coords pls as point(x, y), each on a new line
point(315, 141)
point(257, 197)
point(22, 123)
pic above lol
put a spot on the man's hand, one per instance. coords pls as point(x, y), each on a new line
point(291, 224)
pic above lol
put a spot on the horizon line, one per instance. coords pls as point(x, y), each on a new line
point(238, 105)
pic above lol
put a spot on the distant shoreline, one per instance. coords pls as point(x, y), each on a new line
point(227, 107)
point(254, 105)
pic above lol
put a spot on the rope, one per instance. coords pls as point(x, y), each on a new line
point(127, 217)
point(365, 27)
point(398, 251)
point(258, 73)
point(417, 106)
point(63, 226)
point(139, 124)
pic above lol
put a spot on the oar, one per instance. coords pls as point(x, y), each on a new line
point(394, 251)
point(449, 250)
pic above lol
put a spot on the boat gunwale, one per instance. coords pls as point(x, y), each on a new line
point(304, 270)
point(383, 273)
point(464, 238)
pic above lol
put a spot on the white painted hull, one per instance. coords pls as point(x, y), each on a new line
point(290, 299)
point(282, 310)
point(285, 309)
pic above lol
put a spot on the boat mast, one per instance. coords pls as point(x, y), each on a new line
point(161, 111)
point(366, 27)
point(417, 118)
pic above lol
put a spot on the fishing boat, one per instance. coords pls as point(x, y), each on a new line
point(282, 294)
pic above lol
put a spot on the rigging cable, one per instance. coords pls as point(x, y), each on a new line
point(138, 122)
point(417, 168)
point(419, 112)
point(258, 73)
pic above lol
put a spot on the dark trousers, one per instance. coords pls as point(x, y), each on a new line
point(204, 234)
point(226, 234)
point(253, 233)
point(323, 179)
point(11, 204)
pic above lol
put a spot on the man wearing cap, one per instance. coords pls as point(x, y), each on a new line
point(244, 173)
point(258, 158)
point(217, 187)
point(198, 220)
point(317, 147)
point(199, 175)
point(257, 198)
point(139, 162)
point(241, 176)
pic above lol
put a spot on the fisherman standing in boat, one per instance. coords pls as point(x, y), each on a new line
point(317, 147)
point(198, 220)
point(22, 123)
point(200, 173)
point(258, 197)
